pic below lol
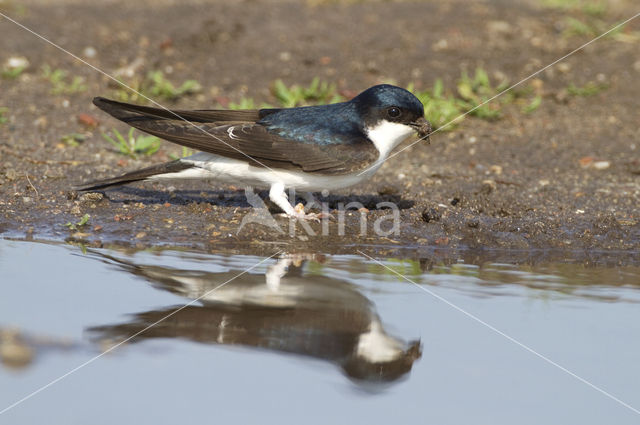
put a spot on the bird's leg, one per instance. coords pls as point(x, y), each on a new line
point(279, 197)
point(276, 272)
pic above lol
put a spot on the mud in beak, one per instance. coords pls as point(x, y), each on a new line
point(423, 127)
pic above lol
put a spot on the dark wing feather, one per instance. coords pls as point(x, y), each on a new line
point(128, 112)
point(246, 140)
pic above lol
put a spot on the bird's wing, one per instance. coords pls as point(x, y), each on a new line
point(244, 139)
point(129, 112)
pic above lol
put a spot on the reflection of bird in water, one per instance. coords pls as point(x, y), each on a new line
point(284, 311)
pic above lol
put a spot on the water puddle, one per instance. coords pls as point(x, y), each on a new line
point(166, 335)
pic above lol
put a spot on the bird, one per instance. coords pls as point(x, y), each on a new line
point(307, 148)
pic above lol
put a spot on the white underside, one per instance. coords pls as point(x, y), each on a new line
point(226, 170)
point(377, 347)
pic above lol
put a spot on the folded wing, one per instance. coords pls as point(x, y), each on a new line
point(235, 134)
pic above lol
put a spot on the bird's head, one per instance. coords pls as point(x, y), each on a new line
point(389, 115)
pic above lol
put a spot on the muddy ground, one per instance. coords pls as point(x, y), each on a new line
point(563, 177)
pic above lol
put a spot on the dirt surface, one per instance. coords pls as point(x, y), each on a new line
point(564, 177)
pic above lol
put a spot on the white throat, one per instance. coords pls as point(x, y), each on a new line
point(386, 135)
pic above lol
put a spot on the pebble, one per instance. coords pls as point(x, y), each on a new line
point(431, 214)
point(90, 52)
point(10, 174)
point(496, 169)
point(488, 186)
point(15, 62)
point(473, 223)
point(501, 27)
point(91, 197)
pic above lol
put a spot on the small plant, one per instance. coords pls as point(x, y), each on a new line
point(593, 27)
point(247, 103)
point(157, 85)
point(316, 92)
point(588, 89)
point(535, 104)
point(124, 94)
point(74, 226)
point(440, 109)
point(132, 146)
point(3, 111)
point(73, 139)
point(185, 153)
point(59, 83)
point(154, 85)
point(577, 27)
point(11, 73)
point(474, 91)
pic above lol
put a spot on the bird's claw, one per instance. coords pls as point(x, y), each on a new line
point(301, 215)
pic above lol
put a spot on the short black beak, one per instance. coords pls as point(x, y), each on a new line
point(423, 127)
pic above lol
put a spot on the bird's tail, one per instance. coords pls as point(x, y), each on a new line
point(143, 174)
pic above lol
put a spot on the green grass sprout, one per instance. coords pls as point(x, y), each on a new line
point(295, 95)
point(74, 226)
point(59, 81)
point(588, 89)
point(73, 139)
point(132, 146)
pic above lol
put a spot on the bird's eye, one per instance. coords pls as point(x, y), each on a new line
point(393, 112)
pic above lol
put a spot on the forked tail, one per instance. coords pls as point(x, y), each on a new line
point(143, 174)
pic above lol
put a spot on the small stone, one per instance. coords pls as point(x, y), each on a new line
point(16, 62)
point(488, 186)
point(10, 174)
point(601, 165)
point(285, 56)
point(91, 197)
point(440, 45)
point(442, 241)
point(496, 169)
point(90, 52)
point(141, 235)
point(88, 120)
point(431, 214)
point(41, 122)
point(501, 27)
point(387, 190)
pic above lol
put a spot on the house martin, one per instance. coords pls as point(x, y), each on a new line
point(310, 148)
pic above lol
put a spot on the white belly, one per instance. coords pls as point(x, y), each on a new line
point(214, 167)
